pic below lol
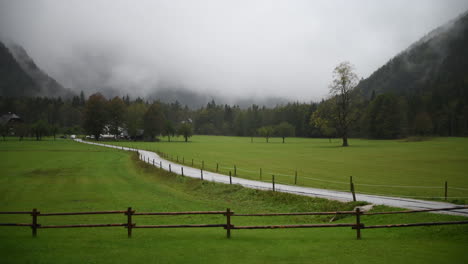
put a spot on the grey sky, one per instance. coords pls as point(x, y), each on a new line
point(235, 48)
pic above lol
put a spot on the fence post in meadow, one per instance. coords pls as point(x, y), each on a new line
point(228, 223)
point(160, 164)
point(217, 165)
point(170, 169)
point(34, 222)
point(273, 181)
point(446, 190)
point(351, 185)
point(201, 174)
point(230, 178)
point(235, 170)
point(182, 169)
point(153, 162)
point(129, 221)
point(260, 173)
point(358, 223)
point(295, 177)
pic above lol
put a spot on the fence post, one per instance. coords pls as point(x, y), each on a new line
point(129, 221)
point(170, 169)
point(295, 177)
point(351, 185)
point(235, 170)
point(153, 162)
point(446, 190)
point(201, 174)
point(34, 222)
point(228, 223)
point(260, 173)
point(230, 178)
point(160, 164)
point(273, 181)
point(358, 223)
point(217, 165)
point(182, 169)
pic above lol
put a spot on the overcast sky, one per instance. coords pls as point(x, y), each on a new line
point(235, 48)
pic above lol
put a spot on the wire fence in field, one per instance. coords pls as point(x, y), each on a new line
point(296, 179)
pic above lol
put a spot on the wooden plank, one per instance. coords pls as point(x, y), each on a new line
point(228, 223)
point(178, 226)
point(293, 226)
point(84, 213)
point(303, 213)
point(16, 212)
point(415, 224)
point(184, 213)
point(78, 226)
point(13, 224)
point(418, 211)
point(34, 225)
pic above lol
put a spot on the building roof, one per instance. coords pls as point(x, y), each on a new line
point(6, 118)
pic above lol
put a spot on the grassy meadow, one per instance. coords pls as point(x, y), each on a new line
point(61, 176)
point(323, 164)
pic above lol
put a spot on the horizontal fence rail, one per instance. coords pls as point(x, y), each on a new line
point(227, 225)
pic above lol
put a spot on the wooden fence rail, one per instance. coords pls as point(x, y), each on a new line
point(228, 226)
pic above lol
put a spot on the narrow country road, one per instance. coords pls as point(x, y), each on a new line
point(413, 204)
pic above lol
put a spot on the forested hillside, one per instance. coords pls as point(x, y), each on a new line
point(13, 80)
point(430, 79)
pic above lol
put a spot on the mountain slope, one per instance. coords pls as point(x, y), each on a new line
point(14, 81)
point(48, 86)
point(430, 79)
point(438, 59)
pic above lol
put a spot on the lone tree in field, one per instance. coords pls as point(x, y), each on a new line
point(266, 132)
point(153, 121)
point(116, 109)
point(284, 129)
point(168, 130)
point(322, 118)
point(344, 81)
point(95, 115)
point(185, 130)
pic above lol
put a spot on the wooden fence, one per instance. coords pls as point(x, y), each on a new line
point(227, 225)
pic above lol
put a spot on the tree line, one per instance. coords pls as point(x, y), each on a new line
point(346, 113)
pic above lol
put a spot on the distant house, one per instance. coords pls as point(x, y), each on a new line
point(9, 121)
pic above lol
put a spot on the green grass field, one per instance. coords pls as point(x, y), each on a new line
point(322, 164)
point(61, 176)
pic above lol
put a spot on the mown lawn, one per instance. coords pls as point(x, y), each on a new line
point(322, 164)
point(61, 176)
